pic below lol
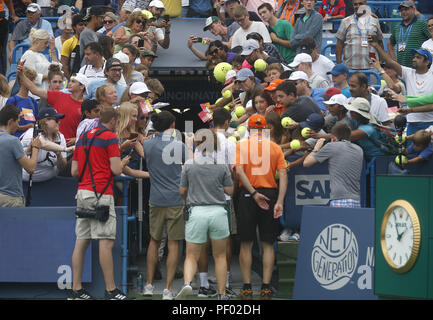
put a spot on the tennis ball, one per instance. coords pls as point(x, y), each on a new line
point(241, 130)
point(239, 111)
point(227, 107)
point(157, 110)
point(397, 138)
point(234, 117)
point(403, 160)
point(227, 94)
point(286, 121)
point(233, 139)
point(295, 144)
point(221, 70)
point(218, 100)
point(305, 132)
point(236, 134)
point(260, 65)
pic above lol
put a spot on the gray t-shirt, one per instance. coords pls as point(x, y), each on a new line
point(205, 181)
point(164, 157)
point(11, 182)
point(345, 167)
point(301, 109)
point(86, 36)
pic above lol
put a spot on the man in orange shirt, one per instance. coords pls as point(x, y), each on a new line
point(286, 10)
point(260, 201)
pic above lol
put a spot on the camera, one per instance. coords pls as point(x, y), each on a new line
point(140, 43)
point(101, 213)
point(166, 17)
point(198, 39)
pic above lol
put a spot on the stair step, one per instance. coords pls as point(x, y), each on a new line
point(288, 249)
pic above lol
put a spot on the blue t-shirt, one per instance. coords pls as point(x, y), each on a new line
point(426, 153)
point(11, 182)
point(164, 158)
point(317, 95)
point(200, 5)
point(91, 88)
point(28, 107)
point(369, 148)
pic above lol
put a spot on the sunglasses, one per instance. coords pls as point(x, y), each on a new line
point(108, 21)
point(144, 117)
point(143, 22)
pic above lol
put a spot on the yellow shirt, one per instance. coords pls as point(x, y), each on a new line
point(69, 46)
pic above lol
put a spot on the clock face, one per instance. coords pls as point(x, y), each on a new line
point(400, 236)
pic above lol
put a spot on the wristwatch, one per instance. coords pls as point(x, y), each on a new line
point(253, 194)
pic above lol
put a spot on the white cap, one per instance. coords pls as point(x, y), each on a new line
point(138, 88)
point(123, 57)
point(157, 4)
point(300, 58)
point(249, 46)
point(136, 10)
point(337, 99)
point(298, 75)
point(33, 7)
point(230, 74)
point(81, 78)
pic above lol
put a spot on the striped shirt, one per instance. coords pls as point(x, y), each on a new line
point(414, 35)
point(356, 56)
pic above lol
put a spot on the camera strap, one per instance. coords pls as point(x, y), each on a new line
point(87, 162)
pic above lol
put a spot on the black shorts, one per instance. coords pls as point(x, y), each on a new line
point(251, 215)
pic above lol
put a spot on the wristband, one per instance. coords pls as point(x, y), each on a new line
point(254, 193)
point(382, 72)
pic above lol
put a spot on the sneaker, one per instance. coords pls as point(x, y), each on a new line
point(206, 292)
point(81, 294)
point(148, 290)
point(285, 235)
point(230, 292)
point(294, 237)
point(116, 294)
point(266, 294)
point(223, 297)
point(184, 292)
point(212, 279)
point(167, 295)
point(246, 294)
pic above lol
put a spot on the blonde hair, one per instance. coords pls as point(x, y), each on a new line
point(125, 110)
point(111, 15)
point(134, 16)
point(5, 90)
point(38, 34)
point(100, 92)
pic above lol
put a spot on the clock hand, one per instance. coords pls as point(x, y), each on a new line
point(396, 229)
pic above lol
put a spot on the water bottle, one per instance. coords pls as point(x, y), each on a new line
point(140, 282)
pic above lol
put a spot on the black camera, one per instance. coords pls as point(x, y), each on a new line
point(186, 212)
point(101, 213)
point(166, 17)
point(140, 43)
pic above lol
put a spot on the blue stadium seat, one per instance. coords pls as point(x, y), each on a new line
point(330, 54)
point(374, 77)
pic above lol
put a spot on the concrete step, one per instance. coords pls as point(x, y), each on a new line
point(286, 269)
point(287, 250)
point(285, 288)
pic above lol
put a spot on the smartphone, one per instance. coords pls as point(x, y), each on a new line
point(166, 17)
point(133, 136)
point(372, 55)
point(198, 39)
point(141, 43)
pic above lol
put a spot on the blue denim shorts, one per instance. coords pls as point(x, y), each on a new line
point(204, 220)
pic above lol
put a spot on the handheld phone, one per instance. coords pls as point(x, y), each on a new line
point(198, 39)
point(133, 136)
point(166, 17)
point(141, 43)
point(372, 55)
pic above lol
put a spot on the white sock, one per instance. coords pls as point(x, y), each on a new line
point(204, 280)
point(228, 279)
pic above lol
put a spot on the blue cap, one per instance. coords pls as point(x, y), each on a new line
point(244, 74)
point(314, 121)
point(425, 53)
point(338, 69)
point(49, 113)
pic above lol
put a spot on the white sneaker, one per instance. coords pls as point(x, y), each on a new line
point(148, 290)
point(167, 295)
point(285, 235)
point(184, 292)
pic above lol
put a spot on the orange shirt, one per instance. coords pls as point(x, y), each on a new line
point(280, 109)
point(260, 158)
point(289, 11)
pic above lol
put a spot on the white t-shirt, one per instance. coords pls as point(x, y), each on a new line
point(227, 152)
point(317, 81)
point(378, 107)
point(241, 34)
point(323, 65)
point(416, 85)
point(428, 45)
point(46, 167)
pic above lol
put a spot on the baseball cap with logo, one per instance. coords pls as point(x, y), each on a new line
point(127, 7)
point(300, 58)
point(337, 99)
point(49, 113)
point(147, 53)
point(33, 7)
point(338, 69)
point(209, 22)
point(331, 92)
point(298, 75)
point(111, 63)
point(123, 57)
point(274, 84)
point(157, 4)
point(249, 46)
point(425, 53)
point(314, 121)
point(257, 121)
point(231, 74)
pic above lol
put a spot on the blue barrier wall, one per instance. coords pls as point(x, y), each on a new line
point(336, 254)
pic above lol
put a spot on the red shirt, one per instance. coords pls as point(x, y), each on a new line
point(104, 147)
point(71, 108)
point(339, 8)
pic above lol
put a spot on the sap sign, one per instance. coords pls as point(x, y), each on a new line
point(336, 254)
point(312, 189)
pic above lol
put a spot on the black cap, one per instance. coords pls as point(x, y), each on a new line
point(49, 113)
point(111, 62)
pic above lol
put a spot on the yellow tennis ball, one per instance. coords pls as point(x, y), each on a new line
point(295, 144)
point(221, 70)
point(227, 107)
point(305, 132)
point(218, 100)
point(260, 65)
point(236, 134)
point(398, 140)
point(234, 117)
point(157, 110)
point(239, 111)
point(242, 130)
point(227, 94)
point(403, 160)
point(286, 121)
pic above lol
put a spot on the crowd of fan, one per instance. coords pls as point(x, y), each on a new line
point(268, 60)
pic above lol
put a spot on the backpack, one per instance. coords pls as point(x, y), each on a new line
point(386, 140)
point(74, 63)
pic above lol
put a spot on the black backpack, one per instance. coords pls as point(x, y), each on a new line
point(74, 60)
